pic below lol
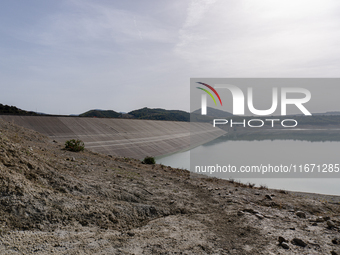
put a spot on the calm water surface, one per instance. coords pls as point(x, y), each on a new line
point(256, 151)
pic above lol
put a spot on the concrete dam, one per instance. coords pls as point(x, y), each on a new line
point(122, 137)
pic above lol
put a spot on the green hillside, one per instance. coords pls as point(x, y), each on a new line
point(160, 114)
point(12, 110)
point(101, 114)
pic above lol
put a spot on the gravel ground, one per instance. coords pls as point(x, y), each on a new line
point(59, 202)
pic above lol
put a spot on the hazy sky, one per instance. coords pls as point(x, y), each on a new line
point(74, 55)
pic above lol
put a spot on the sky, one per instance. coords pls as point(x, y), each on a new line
point(70, 56)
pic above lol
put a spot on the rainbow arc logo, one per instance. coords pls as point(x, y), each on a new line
point(209, 93)
point(204, 97)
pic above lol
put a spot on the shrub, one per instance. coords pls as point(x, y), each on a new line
point(262, 186)
point(149, 160)
point(251, 185)
point(74, 145)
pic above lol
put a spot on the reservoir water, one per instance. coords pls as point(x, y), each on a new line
point(319, 149)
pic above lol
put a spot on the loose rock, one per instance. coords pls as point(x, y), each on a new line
point(300, 214)
point(268, 197)
point(260, 216)
point(319, 219)
point(330, 224)
point(240, 213)
point(282, 239)
point(299, 242)
point(285, 245)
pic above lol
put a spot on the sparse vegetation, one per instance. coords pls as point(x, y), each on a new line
point(74, 145)
point(251, 185)
point(149, 160)
point(262, 186)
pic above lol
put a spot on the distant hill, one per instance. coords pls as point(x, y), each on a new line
point(12, 110)
point(212, 112)
point(327, 118)
point(327, 113)
point(101, 114)
point(160, 114)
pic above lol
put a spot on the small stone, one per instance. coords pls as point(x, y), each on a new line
point(334, 253)
point(314, 224)
point(260, 216)
point(300, 214)
point(268, 197)
point(282, 239)
point(319, 219)
point(130, 233)
point(172, 201)
point(292, 228)
point(330, 224)
point(299, 242)
point(285, 246)
point(240, 213)
point(250, 210)
point(73, 159)
point(326, 218)
point(119, 175)
point(336, 241)
point(257, 194)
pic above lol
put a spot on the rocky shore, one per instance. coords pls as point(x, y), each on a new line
point(59, 202)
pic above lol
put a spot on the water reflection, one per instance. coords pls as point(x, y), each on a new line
point(274, 146)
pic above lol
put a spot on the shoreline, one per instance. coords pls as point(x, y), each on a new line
point(60, 202)
point(334, 199)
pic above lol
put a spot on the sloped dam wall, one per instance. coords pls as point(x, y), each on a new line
point(122, 137)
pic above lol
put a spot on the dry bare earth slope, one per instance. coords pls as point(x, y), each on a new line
point(55, 201)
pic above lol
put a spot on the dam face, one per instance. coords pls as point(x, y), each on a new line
point(122, 137)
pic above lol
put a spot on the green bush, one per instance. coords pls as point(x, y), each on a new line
point(149, 160)
point(74, 145)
